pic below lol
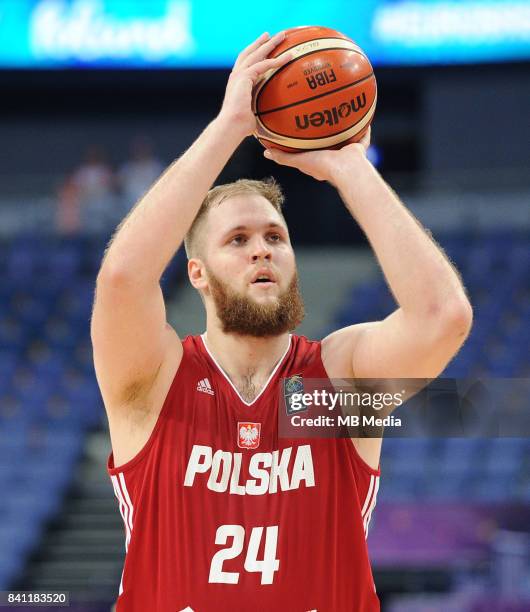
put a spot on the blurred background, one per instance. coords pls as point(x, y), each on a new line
point(97, 97)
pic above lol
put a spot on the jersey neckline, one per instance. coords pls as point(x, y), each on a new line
point(224, 374)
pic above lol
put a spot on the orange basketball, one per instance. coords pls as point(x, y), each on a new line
point(323, 98)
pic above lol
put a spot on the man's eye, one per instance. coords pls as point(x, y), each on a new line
point(237, 240)
point(274, 237)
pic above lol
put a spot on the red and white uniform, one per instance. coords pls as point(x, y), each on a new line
point(221, 515)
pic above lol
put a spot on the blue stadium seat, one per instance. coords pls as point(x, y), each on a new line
point(64, 262)
point(13, 336)
point(492, 490)
point(11, 563)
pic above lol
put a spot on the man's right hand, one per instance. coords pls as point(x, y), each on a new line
point(251, 63)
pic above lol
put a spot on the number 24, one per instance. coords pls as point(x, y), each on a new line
point(267, 566)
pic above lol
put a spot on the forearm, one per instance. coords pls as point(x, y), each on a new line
point(149, 236)
point(420, 276)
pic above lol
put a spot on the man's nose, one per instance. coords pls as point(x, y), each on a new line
point(260, 250)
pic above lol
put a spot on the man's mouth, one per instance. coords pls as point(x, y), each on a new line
point(263, 281)
point(264, 278)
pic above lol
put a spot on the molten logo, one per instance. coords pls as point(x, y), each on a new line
point(331, 116)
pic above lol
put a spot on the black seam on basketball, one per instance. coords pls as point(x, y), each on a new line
point(295, 60)
point(317, 137)
point(322, 95)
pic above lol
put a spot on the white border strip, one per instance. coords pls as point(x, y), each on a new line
point(203, 338)
point(124, 510)
point(127, 500)
point(368, 516)
point(368, 495)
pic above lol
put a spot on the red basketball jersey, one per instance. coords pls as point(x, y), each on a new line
point(222, 515)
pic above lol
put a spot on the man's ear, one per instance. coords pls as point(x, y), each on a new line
point(197, 274)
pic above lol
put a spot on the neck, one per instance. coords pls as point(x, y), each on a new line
point(244, 356)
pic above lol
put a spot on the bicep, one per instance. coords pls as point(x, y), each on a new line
point(130, 338)
point(402, 346)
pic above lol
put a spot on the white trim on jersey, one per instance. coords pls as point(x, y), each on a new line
point(127, 500)
point(126, 511)
point(368, 516)
point(203, 338)
point(368, 495)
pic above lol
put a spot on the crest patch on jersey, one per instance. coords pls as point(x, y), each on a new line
point(291, 385)
point(248, 435)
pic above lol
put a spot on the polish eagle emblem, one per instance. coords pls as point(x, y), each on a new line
point(248, 435)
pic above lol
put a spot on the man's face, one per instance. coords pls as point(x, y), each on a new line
point(250, 267)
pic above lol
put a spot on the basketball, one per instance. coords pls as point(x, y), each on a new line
point(323, 98)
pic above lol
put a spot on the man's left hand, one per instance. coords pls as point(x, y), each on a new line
point(321, 165)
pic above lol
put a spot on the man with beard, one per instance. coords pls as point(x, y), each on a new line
point(219, 512)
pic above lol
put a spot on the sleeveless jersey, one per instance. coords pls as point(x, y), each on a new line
point(221, 515)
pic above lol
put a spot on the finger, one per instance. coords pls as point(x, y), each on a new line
point(261, 52)
point(283, 158)
point(365, 140)
point(252, 47)
point(270, 64)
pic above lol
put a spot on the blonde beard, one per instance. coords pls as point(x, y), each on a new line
point(244, 316)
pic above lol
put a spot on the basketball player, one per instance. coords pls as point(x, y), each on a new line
point(220, 514)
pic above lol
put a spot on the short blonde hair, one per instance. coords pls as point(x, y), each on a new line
point(268, 188)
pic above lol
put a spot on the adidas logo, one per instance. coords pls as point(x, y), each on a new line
point(204, 386)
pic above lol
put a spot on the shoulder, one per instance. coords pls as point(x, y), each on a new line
point(303, 343)
point(338, 348)
point(193, 352)
point(305, 358)
point(304, 349)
